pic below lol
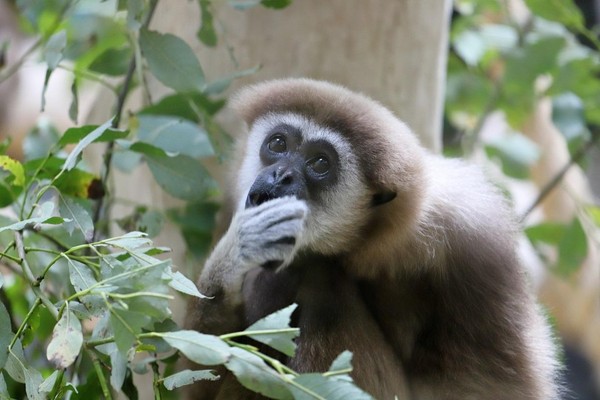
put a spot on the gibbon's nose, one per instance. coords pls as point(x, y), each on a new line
point(276, 181)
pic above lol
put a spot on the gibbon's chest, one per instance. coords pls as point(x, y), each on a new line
point(317, 285)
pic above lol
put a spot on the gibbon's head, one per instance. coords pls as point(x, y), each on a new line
point(355, 164)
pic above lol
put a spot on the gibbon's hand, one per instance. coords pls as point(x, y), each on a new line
point(267, 234)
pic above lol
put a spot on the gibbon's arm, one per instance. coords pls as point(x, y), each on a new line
point(257, 236)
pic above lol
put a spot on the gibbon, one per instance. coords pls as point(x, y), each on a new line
point(403, 257)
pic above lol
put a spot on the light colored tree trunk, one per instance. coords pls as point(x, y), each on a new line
point(394, 51)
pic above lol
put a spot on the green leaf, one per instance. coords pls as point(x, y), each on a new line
point(469, 46)
point(126, 325)
point(563, 11)
point(142, 220)
point(39, 141)
point(75, 135)
point(42, 215)
point(82, 278)
point(174, 135)
point(74, 107)
point(66, 342)
point(342, 362)
point(73, 157)
point(15, 168)
point(276, 4)
point(172, 61)
point(187, 377)
point(280, 320)
point(221, 84)
point(547, 232)
point(12, 179)
point(182, 284)
point(80, 275)
point(190, 106)
point(252, 372)
point(594, 213)
point(18, 369)
point(78, 217)
point(181, 176)
point(206, 33)
point(198, 347)
point(243, 4)
point(112, 62)
point(3, 388)
point(118, 363)
point(568, 116)
point(326, 388)
point(49, 382)
point(5, 334)
point(131, 241)
point(197, 222)
point(78, 183)
point(53, 54)
point(523, 67)
point(572, 249)
point(55, 48)
point(516, 152)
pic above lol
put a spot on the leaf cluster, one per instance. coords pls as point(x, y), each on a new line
point(503, 67)
point(84, 310)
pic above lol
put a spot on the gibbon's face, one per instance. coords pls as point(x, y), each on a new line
point(290, 155)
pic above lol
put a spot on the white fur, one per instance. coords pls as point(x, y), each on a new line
point(327, 218)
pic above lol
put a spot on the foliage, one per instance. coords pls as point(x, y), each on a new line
point(499, 66)
point(84, 311)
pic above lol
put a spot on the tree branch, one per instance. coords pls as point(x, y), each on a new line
point(108, 154)
point(550, 186)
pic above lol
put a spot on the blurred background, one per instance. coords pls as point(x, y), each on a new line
point(512, 85)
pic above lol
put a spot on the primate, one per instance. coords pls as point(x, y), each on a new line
point(403, 257)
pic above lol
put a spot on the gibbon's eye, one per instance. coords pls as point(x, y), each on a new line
point(319, 164)
point(277, 144)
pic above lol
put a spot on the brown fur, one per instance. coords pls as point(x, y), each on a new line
point(431, 299)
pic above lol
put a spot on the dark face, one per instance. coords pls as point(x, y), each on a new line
point(293, 166)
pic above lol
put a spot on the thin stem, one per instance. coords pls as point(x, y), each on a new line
point(122, 275)
point(11, 245)
point(25, 322)
point(281, 368)
point(11, 258)
point(89, 76)
point(157, 381)
point(121, 296)
point(108, 154)
point(13, 68)
point(28, 274)
point(100, 374)
point(260, 332)
point(550, 186)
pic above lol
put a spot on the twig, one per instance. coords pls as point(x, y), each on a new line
point(547, 189)
point(108, 154)
point(28, 274)
point(156, 381)
point(100, 374)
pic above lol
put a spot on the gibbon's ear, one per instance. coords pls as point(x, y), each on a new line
point(382, 197)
